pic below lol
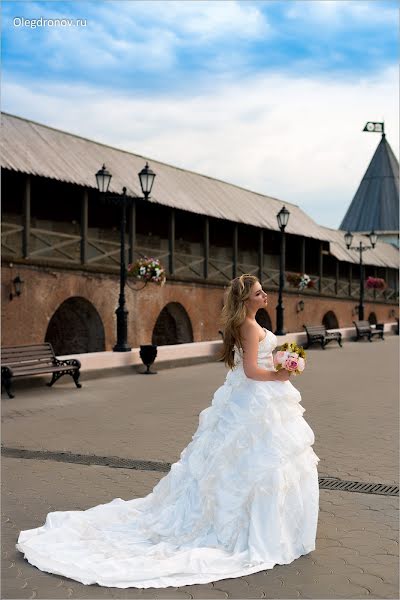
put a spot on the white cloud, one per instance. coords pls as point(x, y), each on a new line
point(342, 13)
point(298, 139)
point(199, 21)
point(133, 35)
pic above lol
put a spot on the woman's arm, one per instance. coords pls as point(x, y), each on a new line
point(250, 353)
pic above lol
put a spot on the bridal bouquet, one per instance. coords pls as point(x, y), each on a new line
point(290, 357)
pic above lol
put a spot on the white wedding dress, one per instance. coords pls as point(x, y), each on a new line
point(243, 497)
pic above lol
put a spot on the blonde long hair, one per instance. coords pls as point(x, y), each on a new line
point(233, 316)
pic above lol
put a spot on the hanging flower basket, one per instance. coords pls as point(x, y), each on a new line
point(147, 270)
point(375, 283)
point(299, 280)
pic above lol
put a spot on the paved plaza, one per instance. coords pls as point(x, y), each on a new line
point(351, 401)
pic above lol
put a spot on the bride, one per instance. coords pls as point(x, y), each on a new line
point(242, 498)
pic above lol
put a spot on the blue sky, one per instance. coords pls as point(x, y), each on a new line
point(271, 95)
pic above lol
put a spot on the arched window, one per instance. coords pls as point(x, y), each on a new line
point(76, 327)
point(330, 321)
point(173, 326)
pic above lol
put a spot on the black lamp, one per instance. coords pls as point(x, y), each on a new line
point(373, 238)
point(103, 179)
point(146, 177)
point(17, 283)
point(282, 218)
point(348, 238)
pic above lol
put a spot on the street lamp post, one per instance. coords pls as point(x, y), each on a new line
point(348, 238)
point(103, 179)
point(282, 218)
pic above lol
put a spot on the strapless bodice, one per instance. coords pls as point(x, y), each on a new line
point(265, 348)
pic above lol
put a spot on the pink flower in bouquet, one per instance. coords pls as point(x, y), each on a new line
point(292, 362)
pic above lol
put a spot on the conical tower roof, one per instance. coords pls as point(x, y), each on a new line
point(376, 202)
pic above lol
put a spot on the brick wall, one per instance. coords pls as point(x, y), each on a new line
point(25, 319)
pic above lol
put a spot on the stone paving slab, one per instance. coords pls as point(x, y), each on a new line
point(354, 412)
point(356, 553)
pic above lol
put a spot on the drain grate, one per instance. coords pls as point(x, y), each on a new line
point(116, 462)
point(87, 459)
point(384, 489)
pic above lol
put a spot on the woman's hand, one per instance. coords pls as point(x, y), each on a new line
point(282, 375)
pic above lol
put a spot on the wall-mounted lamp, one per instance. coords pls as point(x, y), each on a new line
point(354, 310)
point(17, 285)
point(392, 313)
point(300, 306)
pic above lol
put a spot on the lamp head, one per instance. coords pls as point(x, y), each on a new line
point(146, 178)
point(283, 218)
point(103, 178)
point(348, 238)
point(373, 238)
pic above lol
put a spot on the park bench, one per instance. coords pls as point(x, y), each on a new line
point(35, 359)
point(364, 329)
point(319, 334)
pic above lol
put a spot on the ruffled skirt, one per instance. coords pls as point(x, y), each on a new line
point(242, 498)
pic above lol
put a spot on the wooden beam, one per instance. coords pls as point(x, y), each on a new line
point(260, 254)
point(350, 278)
point(26, 233)
point(84, 225)
point(321, 266)
point(303, 255)
point(206, 246)
point(171, 241)
point(235, 250)
point(337, 278)
point(132, 231)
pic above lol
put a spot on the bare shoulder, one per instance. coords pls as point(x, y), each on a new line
point(250, 332)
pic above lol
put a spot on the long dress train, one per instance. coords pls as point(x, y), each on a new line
point(243, 497)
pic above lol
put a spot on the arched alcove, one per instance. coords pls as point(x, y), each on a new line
point(372, 318)
point(330, 321)
point(263, 319)
point(173, 326)
point(75, 328)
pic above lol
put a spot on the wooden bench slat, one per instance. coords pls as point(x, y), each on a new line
point(22, 349)
point(17, 348)
point(14, 357)
point(55, 369)
point(18, 366)
point(39, 366)
point(30, 356)
point(27, 361)
point(28, 352)
point(9, 356)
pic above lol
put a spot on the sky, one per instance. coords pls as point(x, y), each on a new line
point(268, 95)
